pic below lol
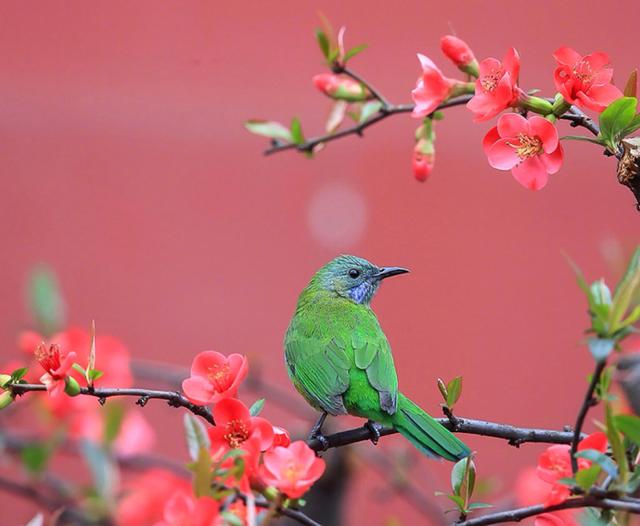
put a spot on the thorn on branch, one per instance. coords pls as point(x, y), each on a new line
point(142, 401)
point(102, 400)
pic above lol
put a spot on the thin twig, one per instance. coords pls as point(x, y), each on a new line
point(174, 398)
point(517, 515)
point(385, 103)
point(588, 402)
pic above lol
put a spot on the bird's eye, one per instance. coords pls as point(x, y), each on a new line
point(354, 273)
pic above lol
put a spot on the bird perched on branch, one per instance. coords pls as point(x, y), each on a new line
point(340, 361)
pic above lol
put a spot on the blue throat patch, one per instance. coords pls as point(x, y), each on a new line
point(362, 293)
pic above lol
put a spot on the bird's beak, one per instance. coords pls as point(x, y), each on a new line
point(387, 272)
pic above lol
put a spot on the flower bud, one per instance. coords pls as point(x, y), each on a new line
point(341, 88)
point(424, 158)
point(4, 379)
point(71, 386)
point(459, 52)
point(5, 399)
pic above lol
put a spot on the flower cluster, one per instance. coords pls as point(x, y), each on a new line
point(242, 452)
point(527, 146)
point(545, 484)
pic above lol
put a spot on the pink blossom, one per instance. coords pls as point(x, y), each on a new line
point(183, 509)
point(528, 147)
point(584, 80)
point(56, 362)
point(496, 86)
point(432, 88)
point(214, 377)
point(292, 470)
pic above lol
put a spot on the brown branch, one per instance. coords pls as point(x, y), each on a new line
point(588, 402)
point(519, 514)
point(173, 398)
point(515, 435)
point(385, 103)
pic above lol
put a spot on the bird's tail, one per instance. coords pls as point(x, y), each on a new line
point(425, 433)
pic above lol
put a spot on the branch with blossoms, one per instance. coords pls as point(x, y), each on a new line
point(525, 140)
point(246, 470)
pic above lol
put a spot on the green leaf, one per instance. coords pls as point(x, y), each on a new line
point(600, 348)
point(581, 138)
point(629, 425)
point(271, 129)
point(478, 506)
point(297, 137)
point(586, 478)
point(35, 457)
point(79, 368)
point(323, 42)
point(94, 374)
point(353, 52)
point(463, 479)
point(256, 407)
point(196, 435)
point(454, 390)
point(18, 374)
point(369, 109)
point(625, 291)
point(616, 443)
point(45, 300)
point(105, 477)
point(632, 318)
point(202, 473)
point(599, 458)
point(114, 414)
point(615, 118)
point(633, 126)
point(567, 481)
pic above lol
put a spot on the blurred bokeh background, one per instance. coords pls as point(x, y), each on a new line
point(126, 168)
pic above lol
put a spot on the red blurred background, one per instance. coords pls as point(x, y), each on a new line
point(126, 168)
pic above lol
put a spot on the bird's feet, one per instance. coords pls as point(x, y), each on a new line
point(374, 431)
point(316, 432)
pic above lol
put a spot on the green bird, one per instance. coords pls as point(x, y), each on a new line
point(340, 361)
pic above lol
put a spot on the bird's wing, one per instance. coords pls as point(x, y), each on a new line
point(373, 355)
point(320, 369)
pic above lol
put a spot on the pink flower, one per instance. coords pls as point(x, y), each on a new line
point(584, 80)
point(56, 363)
point(281, 437)
point(293, 469)
point(555, 464)
point(235, 426)
point(422, 164)
point(341, 88)
point(183, 509)
point(214, 377)
point(528, 147)
point(145, 496)
point(496, 87)
point(432, 88)
point(457, 50)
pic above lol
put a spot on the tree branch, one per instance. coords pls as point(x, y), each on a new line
point(588, 402)
point(515, 435)
point(530, 511)
point(385, 103)
point(173, 398)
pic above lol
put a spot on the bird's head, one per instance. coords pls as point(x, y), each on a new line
point(354, 278)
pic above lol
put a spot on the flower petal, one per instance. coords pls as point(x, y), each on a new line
point(502, 155)
point(198, 390)
point(203, 362)
point(566, 56)
point(531, 173)
point(230, 409)
point(512, 124)
point(553, 161)
point(490, 139)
